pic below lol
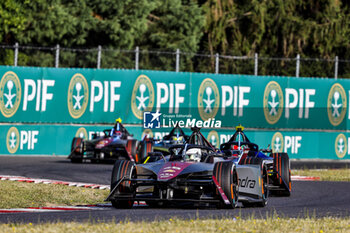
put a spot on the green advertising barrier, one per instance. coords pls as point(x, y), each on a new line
point(56, 140)
point(43, 108)
point(90, 96)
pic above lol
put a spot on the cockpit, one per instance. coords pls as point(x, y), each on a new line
point(176, 136)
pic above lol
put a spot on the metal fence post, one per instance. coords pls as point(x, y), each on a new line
point(336, 68)
point(57, 59)
point(177, 60)
point(216, 63)
point(297, 66)
point(16, 54)
point(137, 58)
point(99, 57)
point(256, 64)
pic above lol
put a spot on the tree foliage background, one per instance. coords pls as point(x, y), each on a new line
point(271, 28)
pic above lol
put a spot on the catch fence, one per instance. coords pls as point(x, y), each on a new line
point(178, 61)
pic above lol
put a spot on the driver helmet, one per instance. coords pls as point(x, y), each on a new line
point(177, 140)
point(117, 133)
point(194, 154)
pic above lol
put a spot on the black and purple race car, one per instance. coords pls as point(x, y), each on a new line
point(194, 172)
point(115, 143)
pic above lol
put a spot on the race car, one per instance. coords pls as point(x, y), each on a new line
point(277, 164)
point(194, 172)
point(160, 147)
point(176, 136)
point(113, 144)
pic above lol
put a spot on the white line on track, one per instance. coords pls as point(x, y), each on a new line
point(47, 181)
point(51, 209)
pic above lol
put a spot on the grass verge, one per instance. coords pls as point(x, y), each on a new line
point(19, 195)
point(325, 175)
point(270, 224)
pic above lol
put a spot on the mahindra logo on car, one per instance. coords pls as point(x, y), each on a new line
point(246, 183)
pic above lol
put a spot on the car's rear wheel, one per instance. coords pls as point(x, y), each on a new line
point(77, 150)
point(144, 148)
point(282, 172)
point(131, 147)
point(121, 169)
point(226, 175)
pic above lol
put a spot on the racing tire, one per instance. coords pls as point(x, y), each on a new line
point(77, 150)
point(226, 175)
point(131, 146)
point(144, 148)
point(264, 186)
point(121, 169)
point(281, 168)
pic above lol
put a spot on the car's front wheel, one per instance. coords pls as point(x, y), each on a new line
point(123, 169)
point(226, 175)
point(77, 150)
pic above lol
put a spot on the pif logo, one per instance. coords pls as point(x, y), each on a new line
point(273, 102)
point(78, 96)
point(22, 140)
point(142, 98)
point(208, 99)
point(10, 94)
point(213, 138)
point(12, 140)
point(277, 143)
point(336, 104)
point(341, 146)
point(82, 133)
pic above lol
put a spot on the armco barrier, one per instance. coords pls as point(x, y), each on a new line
point(42, 108)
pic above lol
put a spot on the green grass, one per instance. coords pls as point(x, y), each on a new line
point(270, 224)
point(19, 194)
point(325, 175)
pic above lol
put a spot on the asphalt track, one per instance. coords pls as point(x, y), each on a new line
point(308, 199)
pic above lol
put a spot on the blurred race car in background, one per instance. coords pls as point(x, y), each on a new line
point(113, 144)
point(160, 147)
point(277, 164)
point(194, 172)
point(176, 136)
